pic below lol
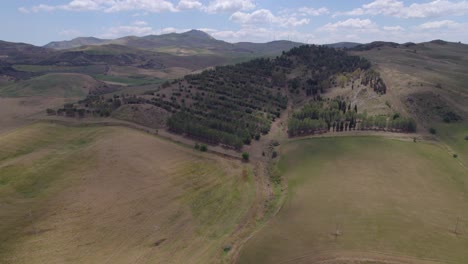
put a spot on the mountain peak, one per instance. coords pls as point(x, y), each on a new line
point(198, 34)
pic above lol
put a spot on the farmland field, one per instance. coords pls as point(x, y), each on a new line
point(115, 195)
point(366, 200)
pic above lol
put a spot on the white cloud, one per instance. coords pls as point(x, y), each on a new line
point(264, 16)
point(155, 6)
point(132, 30)
point(393, 28)
point(439, 24)
point(106, 6)
point(172, 30)
point(140, 23)
point(70, 33)
point(189, 4)
point(435, 8)
point(350, 24)
point(259, 34)
point(221, 6)
point(313, 11)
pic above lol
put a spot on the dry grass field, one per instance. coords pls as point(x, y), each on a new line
point(16, 112)
point(115, 195)
point(366, 200)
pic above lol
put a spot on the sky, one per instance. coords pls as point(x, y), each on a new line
point(309, 21)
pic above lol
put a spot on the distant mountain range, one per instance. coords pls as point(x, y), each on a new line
point(188, 43)
point(85, 50)
point(193, 39)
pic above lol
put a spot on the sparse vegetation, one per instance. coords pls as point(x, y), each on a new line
point(245, 156)
point(274, 154)
point(203, 148)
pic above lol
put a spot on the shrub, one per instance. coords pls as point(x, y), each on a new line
point(51, 111)
point(466, 137)
point(274, 154)
point(203, 148)
point(197, 146)
point(433, 131)
point(455, 155)
point(245, 156)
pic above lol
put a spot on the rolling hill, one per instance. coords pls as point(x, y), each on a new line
point(63, 85)
point(332, 174)
point(75, 43)
point(428, 79)
point(22, 53)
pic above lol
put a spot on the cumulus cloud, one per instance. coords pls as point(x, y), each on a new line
point(168, 30)
point(70, 33)
point(148, 5)
point(435, 8)
point(221, 6)
point(140, 23)
point(189, 4)
point(264, 16)
point(393, 28)
point(313, 11)
point(215, 6)
point(350, 24)
point(260, 34)
point(131, 30)
point(439, 24)
point(106, 6)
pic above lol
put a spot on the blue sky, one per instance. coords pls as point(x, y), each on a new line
point(314, 21)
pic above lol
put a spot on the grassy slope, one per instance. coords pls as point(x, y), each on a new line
point(130, 80)
point(95, 195)
point(34, 164)
point(56, 85)
point(398, 198)
point(454, 135)
point(90, 69)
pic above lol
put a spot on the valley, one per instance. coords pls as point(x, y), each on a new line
point(181, 148)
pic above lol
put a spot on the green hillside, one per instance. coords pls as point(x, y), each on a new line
point(55, 85)
point(366, 199)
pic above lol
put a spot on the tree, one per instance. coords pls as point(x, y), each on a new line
point(433, 131)
point(274, 154)
point(245, 156)
point(51, 111)
point(203, 148)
